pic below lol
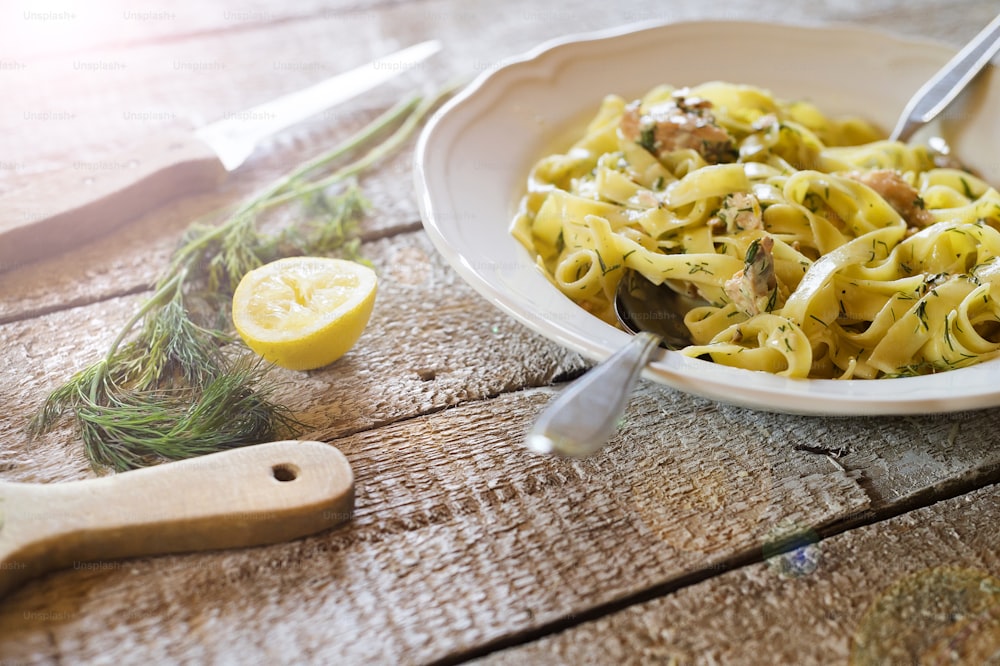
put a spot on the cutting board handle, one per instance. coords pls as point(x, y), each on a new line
point(56, 211)
point(248, 496)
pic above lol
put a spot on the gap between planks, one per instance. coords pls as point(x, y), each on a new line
point(84, 301)
point(951, 489)
point(266, 23)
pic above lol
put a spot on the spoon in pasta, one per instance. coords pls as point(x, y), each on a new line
point(582, 419)
point(585, 416)
point(641, 305)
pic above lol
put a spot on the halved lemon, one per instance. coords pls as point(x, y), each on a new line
point(304, 312)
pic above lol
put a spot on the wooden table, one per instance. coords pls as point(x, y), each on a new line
point(465, 547)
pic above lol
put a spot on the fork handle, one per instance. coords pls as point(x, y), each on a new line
point(942, 89)
point(585, 415)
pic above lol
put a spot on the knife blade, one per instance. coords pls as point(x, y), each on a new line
point(62, 210)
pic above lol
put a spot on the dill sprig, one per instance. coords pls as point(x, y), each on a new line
point(176, 382)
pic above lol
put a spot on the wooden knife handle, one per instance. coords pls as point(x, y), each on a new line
point(49, 213)
point(249, 496)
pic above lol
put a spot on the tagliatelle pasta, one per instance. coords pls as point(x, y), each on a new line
point(823, 250)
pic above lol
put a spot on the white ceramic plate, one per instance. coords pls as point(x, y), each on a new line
point(473, 157)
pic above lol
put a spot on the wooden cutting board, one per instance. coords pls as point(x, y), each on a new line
point(44, 214)
point(249, 496)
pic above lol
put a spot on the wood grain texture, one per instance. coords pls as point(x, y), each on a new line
point(31, 31)
point(462, 543)
point(425, 349)
point(243, 497)
point(920, 588)
point(460, 537)
point(131, 261)
point(449, 502)
point(110, 98)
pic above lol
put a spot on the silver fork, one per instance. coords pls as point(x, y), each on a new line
point(942, 88)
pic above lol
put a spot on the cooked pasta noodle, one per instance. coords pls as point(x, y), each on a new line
point(822, 250)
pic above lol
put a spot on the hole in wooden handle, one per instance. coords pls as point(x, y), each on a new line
point(285, 472)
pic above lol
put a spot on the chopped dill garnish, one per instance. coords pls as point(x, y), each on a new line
point(697, 267)
point(647, 138)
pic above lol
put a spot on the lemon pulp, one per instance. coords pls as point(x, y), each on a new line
point(303, 313)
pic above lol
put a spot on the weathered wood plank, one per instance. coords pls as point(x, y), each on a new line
point(132, 259)
point(897, 460)
point(432, 343)
point(448, 504)
point(79, 113)
point(460, 538)
point(31, 31)
point(59, 107)
point(452, 503)
point(74, 114)
point(920, 588)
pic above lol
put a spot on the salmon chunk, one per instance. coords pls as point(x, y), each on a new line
point(678, 124)
point(754, 288)
point(898, 193)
